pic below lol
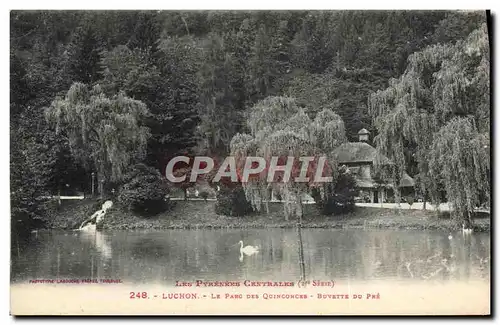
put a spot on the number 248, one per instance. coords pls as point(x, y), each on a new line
point(138, 295)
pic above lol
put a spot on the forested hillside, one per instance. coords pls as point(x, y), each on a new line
point(188, 80)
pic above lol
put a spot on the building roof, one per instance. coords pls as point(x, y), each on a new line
point(363, 131)
point(355, 152)
point(362, 152)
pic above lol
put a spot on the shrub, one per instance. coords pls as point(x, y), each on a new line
point(444, 215)
point(341, 199)
point(231, 201)
point(143, 191)
point(316, 195)
point(410, 200)
point(29, 213)
point(204, 195)
point(338, 204)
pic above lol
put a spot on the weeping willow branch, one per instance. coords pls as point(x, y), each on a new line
point(107, 131)
point(280, 128)
point(442, 83)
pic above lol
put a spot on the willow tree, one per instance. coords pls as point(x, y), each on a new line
point(105, 134)
point(279, 128)
point(460, 156)
point(442, 83)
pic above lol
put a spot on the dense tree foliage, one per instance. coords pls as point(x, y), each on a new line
point(279, 128)
point(198, 73)
point(441, 105)
point(104, 134)
point(340, 198)
point(231, 201)
point(143, 191)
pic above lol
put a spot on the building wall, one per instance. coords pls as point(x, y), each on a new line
point(365, 171)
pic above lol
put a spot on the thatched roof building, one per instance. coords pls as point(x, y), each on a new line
point(358, 152)
point(360, 157)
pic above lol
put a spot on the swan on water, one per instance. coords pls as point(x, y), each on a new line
point(466, 230)
point(248, 250)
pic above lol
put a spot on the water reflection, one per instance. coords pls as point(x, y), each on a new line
point(284, 254)
point(301, 254)
point(100, 242)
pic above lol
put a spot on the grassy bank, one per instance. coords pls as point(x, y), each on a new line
point(200, 214)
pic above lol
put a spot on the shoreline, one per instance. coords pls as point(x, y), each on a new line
point(200, 215)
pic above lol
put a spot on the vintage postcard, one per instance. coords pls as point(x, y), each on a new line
point(291, 162)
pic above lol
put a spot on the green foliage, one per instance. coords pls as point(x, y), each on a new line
point(144, 191)
point(40, 164)
point(104, 133)
point(231, 201)
point(83, 55)
point(219, 107)
point(128, 70)
point(343, 92)
point(457, 25)
point(435, 108)
point(204, 195)
point(279, 128)
point(186, 184)
point(339, 196)
point(460, 158)
point(146, 32)
point(199, 73)
point(165, 81)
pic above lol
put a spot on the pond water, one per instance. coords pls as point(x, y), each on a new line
point(162, 257)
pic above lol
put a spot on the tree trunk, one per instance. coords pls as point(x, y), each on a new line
point(286, 203)
point(397, 195)
point(101, 187)
point(287, 210)
point(301, 209)
point(301, 254)
point(424, 195)
point(268, 197)
point(185, 193)
point(100, 180)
